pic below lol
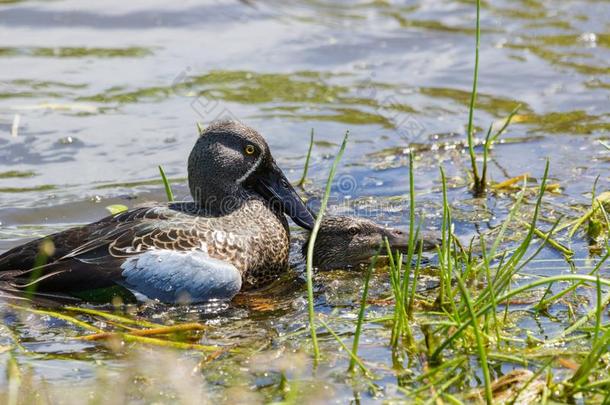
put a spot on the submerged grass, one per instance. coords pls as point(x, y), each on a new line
point(126, 329)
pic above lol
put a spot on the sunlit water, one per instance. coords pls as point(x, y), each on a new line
point(106, 91)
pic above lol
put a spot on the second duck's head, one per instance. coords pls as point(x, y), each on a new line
point(231, 161)
point(348, 241)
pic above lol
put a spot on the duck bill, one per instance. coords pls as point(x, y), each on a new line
point(276, 189)
point(430, 240)
point(400, 243)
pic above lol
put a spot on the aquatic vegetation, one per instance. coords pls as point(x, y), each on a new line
point(76, 52)
point(43, 187)
point(168, 188)
point(596, 218)
point(116, 208)
point(133, 184)
point(301, 182)
point(463, 326)
point(16, 174)
point(310, 247)
point(480, 180)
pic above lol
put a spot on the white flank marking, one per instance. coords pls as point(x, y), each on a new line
point(169, 275)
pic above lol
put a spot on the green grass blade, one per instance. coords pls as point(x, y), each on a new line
point(352, 355)
point(545, 302)
point(581, 321)
point(168, 187)
point(311, 244)
point(552, 242)
point(415, 277)
point(598, 311)
point(412, 236)
point(491, 139)
point(473, 97)
point(492, 292)
point(581, 375)
point(480, 345)
point(506, 273)
point(113, 317)
point(60, 316)
point(507, 122)
point(301, 182)
point(365, 292)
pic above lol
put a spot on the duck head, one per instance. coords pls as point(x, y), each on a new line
point(231, 161)
point(345, 241)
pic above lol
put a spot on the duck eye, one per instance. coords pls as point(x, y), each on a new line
point(250, 150)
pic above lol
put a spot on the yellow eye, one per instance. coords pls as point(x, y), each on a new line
point(250, 150)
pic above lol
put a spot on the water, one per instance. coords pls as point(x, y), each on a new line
point(107, 91)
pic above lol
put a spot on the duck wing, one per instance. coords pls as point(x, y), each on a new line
point(91, 256)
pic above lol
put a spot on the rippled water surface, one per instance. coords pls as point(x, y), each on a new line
point(95, 95)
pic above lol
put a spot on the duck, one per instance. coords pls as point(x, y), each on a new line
point(348, 241)
point(233, 236)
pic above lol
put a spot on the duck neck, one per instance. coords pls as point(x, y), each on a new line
point(218, 198)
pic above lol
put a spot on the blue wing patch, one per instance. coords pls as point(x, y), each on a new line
point(171, 276)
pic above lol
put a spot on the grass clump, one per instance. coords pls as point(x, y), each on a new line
point(474, 289)
point(480, 178)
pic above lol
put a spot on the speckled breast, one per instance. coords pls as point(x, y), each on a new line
point(255, 239)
